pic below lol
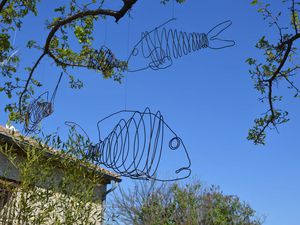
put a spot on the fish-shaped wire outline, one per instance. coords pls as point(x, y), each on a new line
point(131, 150)
point(160, 45)
point(39, 109)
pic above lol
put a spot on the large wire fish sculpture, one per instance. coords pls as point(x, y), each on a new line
point(138, 145)
point(39, 109)
point(160, 46)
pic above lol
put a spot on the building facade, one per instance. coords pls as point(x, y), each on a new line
point(48, 188)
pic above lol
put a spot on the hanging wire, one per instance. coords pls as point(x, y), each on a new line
point(104, 60)
point(39, 109)
point(161, 45)
point(135, 146)
point(173, 9)
point(105, 31)
point(127, 52)
point(15, 36)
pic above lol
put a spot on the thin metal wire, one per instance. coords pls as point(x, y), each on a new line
point(173, 9)
point(39, 109)
point(161, 45)
point(105, 31)
point(135, 146)
point(127, 52)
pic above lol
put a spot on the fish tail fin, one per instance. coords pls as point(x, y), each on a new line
point(219, 43)
point(56, 88)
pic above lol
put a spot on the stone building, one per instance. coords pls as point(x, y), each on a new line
point(11, 181)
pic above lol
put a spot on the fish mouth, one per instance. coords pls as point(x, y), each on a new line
point(183, 169)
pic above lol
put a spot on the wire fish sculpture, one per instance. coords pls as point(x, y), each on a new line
point(137, 146)
point(39, 109)
point(160, 46)
point(103, 60)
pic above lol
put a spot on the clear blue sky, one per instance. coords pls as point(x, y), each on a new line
point(207, 97)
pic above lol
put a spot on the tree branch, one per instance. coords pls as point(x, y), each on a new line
point(284, 59)
point(274, 116)
point(127, 6)
point(276, 67)
point(59, 62)
point(58, 24)
point(106, 12)
point(29, 79)
point(70, 19)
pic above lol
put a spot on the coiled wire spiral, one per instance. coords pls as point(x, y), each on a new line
point(161, 45)
point(39, 109)
point(135, 146)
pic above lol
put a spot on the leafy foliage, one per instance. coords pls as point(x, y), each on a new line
point(12, 12)
point(279, 66)
point(180, 205)
point(55, 188)
point(74, 20)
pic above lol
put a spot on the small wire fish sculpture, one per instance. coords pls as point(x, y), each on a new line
point(135, 147)
point(161, 45)
point(39, 109)
point(103, 60)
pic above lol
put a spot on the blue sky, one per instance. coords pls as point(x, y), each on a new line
point(207, 97)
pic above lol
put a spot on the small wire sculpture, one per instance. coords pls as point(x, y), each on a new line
point(161, 45)
point(135, 146)
point(103, 60)
point(39, 109)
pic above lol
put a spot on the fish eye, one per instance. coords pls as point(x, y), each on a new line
point(174, 143)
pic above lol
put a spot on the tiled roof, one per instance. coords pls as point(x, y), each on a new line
point(10, 135)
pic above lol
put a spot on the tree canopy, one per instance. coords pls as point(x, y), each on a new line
point(170, 204)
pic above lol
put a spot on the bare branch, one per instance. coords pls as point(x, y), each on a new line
point(275, 21)
point(292, 85)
